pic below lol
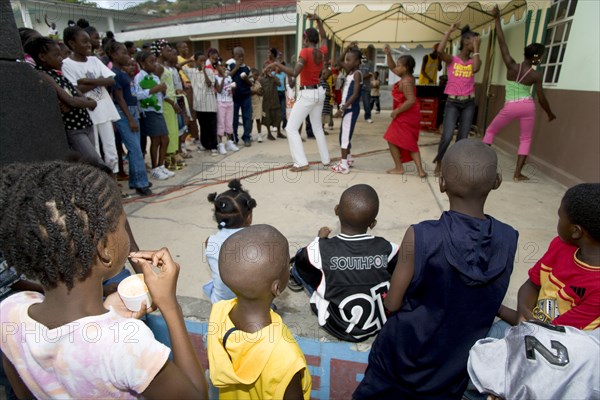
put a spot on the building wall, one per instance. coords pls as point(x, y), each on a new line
point(581, 68)
point(567, 148)
point(31, 14)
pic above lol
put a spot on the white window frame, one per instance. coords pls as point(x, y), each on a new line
point(553, 43)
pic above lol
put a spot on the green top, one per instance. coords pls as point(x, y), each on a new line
point(517, 91)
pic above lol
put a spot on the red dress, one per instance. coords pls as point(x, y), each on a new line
point(403, 132)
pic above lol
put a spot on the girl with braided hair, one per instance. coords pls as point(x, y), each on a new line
point(233, 212)
point(63, 224)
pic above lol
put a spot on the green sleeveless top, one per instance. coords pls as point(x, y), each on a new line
point(515, 90)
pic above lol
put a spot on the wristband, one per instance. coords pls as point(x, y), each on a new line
point(475, 54)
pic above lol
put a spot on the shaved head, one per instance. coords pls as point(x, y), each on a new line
point(469, 169)
point(252, 259)
point(358, 206)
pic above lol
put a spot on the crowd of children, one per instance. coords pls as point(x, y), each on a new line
point(64, 226)
point(446, 279)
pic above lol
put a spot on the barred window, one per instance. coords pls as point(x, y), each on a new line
point(559, 26)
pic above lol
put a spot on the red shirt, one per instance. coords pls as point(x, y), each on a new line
point(311, 72)
point(570, 289)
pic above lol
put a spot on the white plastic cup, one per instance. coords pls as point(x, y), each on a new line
point(243, 75)
point(133, 291)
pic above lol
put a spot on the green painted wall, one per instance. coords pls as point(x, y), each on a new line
point(581, 68)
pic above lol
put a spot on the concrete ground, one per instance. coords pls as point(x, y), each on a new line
point(180, 217)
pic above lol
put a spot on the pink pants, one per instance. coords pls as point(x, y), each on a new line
point(524, 110)
point(224, 118)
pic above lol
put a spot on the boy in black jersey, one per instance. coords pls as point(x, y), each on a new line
point(347, 276)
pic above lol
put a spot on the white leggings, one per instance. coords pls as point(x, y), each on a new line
point(309, 102)
point(107, 135)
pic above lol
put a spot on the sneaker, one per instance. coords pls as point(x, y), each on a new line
point(214, 152)
point(145, 191)
point(222, 150)
point(158, 173)
point(167, 172)
point(273, 129)
point(200, 147)
point(259, 138)
point(340, 168)
point(350, 161)
point(370, 121)
point(247, 143)
point(377, 112)
point(230, 146)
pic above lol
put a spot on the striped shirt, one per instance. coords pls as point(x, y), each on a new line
point(205, 99)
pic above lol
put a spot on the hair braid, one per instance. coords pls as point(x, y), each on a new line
point(53, 215)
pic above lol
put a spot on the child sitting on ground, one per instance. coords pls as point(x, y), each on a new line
point(63, 224)
point(451, 277)
point(348, 276)
point(564, 285)
point(251, 352)
point(233, 212)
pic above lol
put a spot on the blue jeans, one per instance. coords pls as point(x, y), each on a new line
point(366, 100)
point(455, 111)
point(137, 170)
point(306, 286)
point(246, 106)
point(282, 106)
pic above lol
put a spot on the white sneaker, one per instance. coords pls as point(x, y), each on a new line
point(377, 112)
point(200, 147)
point(370, 121)
point(350, 161)
point(222, 150)
point(259, 138)
point(341, 168)
point(166, 171)
point(157, 173)
point(214, 152)
point(230, 146)
point(273, 129)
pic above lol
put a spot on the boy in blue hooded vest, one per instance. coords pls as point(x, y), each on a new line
point(451, 277)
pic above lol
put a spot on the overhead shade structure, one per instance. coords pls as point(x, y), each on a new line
point(409, 23)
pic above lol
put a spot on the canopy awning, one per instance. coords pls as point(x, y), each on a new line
point(410, 23)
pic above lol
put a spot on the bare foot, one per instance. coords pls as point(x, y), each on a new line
point(438, 167)
point(423, 175)
point(520, 177)
point(395, 171)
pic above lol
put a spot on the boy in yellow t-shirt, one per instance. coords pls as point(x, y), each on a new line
point(251, 353)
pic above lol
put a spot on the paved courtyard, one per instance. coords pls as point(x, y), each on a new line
point(180, 217)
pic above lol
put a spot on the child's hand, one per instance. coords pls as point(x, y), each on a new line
point(338, 114)
point(324, 232)
point(92, 104)
point(395, 113)
point(387, 50)
point(114, 300)
point(496, 12)
point(551, 117)
point(454, 27)
point(133, 125)
point(162, 285)
point(476, 43)
point(177, 108)
point(162, 87)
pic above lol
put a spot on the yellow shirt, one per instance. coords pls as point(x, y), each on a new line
point(257, 365)
point(182, 74)
point(432, 70)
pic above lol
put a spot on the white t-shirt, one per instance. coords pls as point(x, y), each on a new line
point(93, 68)
point(226, 96)
point(101, 356)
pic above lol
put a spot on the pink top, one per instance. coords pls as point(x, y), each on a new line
point(101, 356)
point(461, 80)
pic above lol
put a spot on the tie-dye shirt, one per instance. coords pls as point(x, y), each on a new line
point(101, 356)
